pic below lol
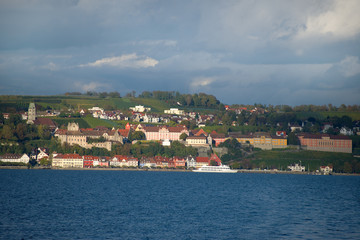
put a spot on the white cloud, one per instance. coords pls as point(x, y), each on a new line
point(92, 86)
point(167, 43)
point(349, 66)
point(124, 61)
point(342, 20)
point(201, 83)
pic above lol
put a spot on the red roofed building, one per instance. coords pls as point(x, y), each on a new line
point(160, 133)
point(325, 142)
point(201, 161)
point(88, 161)
point(217, 138)
point(68, 161)
point(215, 158)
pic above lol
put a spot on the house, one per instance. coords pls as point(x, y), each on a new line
point(88, 138)
point(296, 168)
point(174, 111)
point(197, 140)
point(140, 108)
point(46, 122)
point(346, 131)
point(68, 161)
point(160, 133)
point(18, 158)
point(326, 169)
point(201, 161)
point(124, 161)
point(295, 127)
point(217, 138)
point(40, 154)
point(261, 140)
point(215, 159)
point(190, 162)
point(179, 162)
point(325, 142)
point(88, 161)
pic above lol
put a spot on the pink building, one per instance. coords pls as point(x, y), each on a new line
point(163, 132)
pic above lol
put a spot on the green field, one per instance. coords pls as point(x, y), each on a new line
point(156, 105)
point(313, 159)
point(323, 115)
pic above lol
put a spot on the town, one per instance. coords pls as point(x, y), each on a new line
point(177, 138)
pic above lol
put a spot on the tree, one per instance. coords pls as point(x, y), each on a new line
point(293, 139)
point(137, 135)
point(20, 131)
point(183, 136)
point(7, 133)
point(114, 95)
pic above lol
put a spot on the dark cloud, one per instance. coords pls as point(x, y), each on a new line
point(240, 51)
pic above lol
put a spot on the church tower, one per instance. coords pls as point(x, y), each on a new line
point(31, 113)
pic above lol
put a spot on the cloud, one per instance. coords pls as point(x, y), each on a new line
point(124, 61)
point(92, 86)
point(342, 20)
point(350, 66)
point(201, 83)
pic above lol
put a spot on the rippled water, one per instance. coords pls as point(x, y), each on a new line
point(50, 204)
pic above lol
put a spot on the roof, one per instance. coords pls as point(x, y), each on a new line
point(202, 159)
point(124, 132)
point(196, 137)
point(45, 121)
point(68, 156)
point(11, 156)
point(320, 136)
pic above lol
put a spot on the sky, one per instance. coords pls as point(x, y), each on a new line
point(243, 52)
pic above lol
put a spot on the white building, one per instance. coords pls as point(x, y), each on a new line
point(95, 109)
point(18, 158)
point(346, 131)
point(140, 108)
point(190, 162)
point(296, 168)
point(68, 161)
point(326, 169)
point(174, 111)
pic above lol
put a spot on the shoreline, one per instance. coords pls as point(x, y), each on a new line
point(173, 170)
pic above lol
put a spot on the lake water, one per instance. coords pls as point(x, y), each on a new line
point(55, 204)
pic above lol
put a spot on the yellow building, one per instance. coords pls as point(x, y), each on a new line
point(261, 140)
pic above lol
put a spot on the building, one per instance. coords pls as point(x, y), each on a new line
point(326, 169)
point(325, 142)
point(218, 138)
point(197, 140)
point(190, 162)
point(31, 113)
point(140, 108)
point(296, 168)
point(161, 133)
point(18, 158)
point(261, 140)
point(87, 138)
point(124, 161)
point(201, 161)
point(88, 161)
point(67, 161)
point(174, 111)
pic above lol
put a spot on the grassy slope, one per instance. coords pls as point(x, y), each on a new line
point(324, 115)
point(313, 159)
point(156, 105)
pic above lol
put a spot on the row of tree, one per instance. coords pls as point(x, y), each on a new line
point(114, 94)
point(201, 100)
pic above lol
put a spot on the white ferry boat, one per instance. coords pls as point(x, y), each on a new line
point(215, 169)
